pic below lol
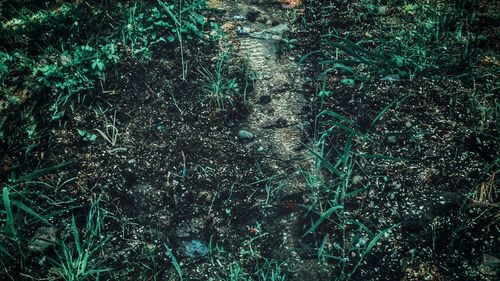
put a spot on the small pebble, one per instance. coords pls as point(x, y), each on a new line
point(195, 249)
point(245, 135)
point(265, 99)
point(357, 179)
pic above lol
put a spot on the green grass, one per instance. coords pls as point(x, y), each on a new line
point(78, 255)
point(174, 262)
point(217, 89)
point(331, 187)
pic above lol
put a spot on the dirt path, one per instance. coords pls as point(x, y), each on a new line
point(276, 119)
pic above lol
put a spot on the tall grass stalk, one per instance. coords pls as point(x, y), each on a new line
point(336, 136)
point(174, 261)
point(217, 88)
point(78, 260)
point(177, 19)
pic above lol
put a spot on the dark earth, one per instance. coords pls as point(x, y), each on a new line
point(374, 169)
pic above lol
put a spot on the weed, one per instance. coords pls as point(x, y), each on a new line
point(184, 24)
point(73, 72)
point(77, 260)
point(86, 135)
point(340, 236)
point(271, 270)
point(174, 262)
point(249, 251)
point(110, 133)
point(217, 89)
point(236, 273)
point(16, 218)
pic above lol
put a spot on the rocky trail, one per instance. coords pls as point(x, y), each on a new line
point(244, 140)
point(277, 120)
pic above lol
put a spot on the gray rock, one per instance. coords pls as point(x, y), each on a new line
point(261, 150)
point(245, 135)
point(194, 248)
point(44, 238)
point(357, 179)
point(392, 139)
point(274, 33)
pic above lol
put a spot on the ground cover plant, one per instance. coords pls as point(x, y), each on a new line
point(229, 140)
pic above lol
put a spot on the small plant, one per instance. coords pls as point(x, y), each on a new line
point(237, 273)
point(73, 72)
point(87, 136)
point(184, 24)
point(78, 260)
point(217, 89)
point(174, 262)
point(18, 214)
point(271, 270)
point(249, 251)
point(110, 133)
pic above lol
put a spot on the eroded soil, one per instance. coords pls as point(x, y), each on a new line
point(179, 170)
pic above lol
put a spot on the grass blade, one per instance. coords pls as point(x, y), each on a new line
point(322, 218)
point(76, 236)
point(354, 46)
point(8, 211)
point(350, 51)
point(325, 162)
point(383, 111)
point(306, 56)
point(5, 252)
point(334, 115)
point(174, 262)
point(30, 211)
point(370, 246)
point(41, 172)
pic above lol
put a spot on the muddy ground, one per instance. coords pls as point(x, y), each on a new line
point(232, 193)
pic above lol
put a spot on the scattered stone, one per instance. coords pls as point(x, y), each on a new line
point(160, 128)
point(194, 249)
point(357, 179)
point(252, 16)
point(238, 17)
point(245, 135)
point(274, 33)
point(392, 139)
point(243, 30)
point(44, 238)
point(265, 99)
point(281, 122)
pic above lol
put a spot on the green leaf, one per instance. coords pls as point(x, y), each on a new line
point(8, 211)
point(87, 135)
point(322, 218)
point(385, 109)
point(174, 262)
point(30, 211)
point(370, 246)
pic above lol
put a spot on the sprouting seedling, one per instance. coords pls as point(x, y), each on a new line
point(111, 132)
